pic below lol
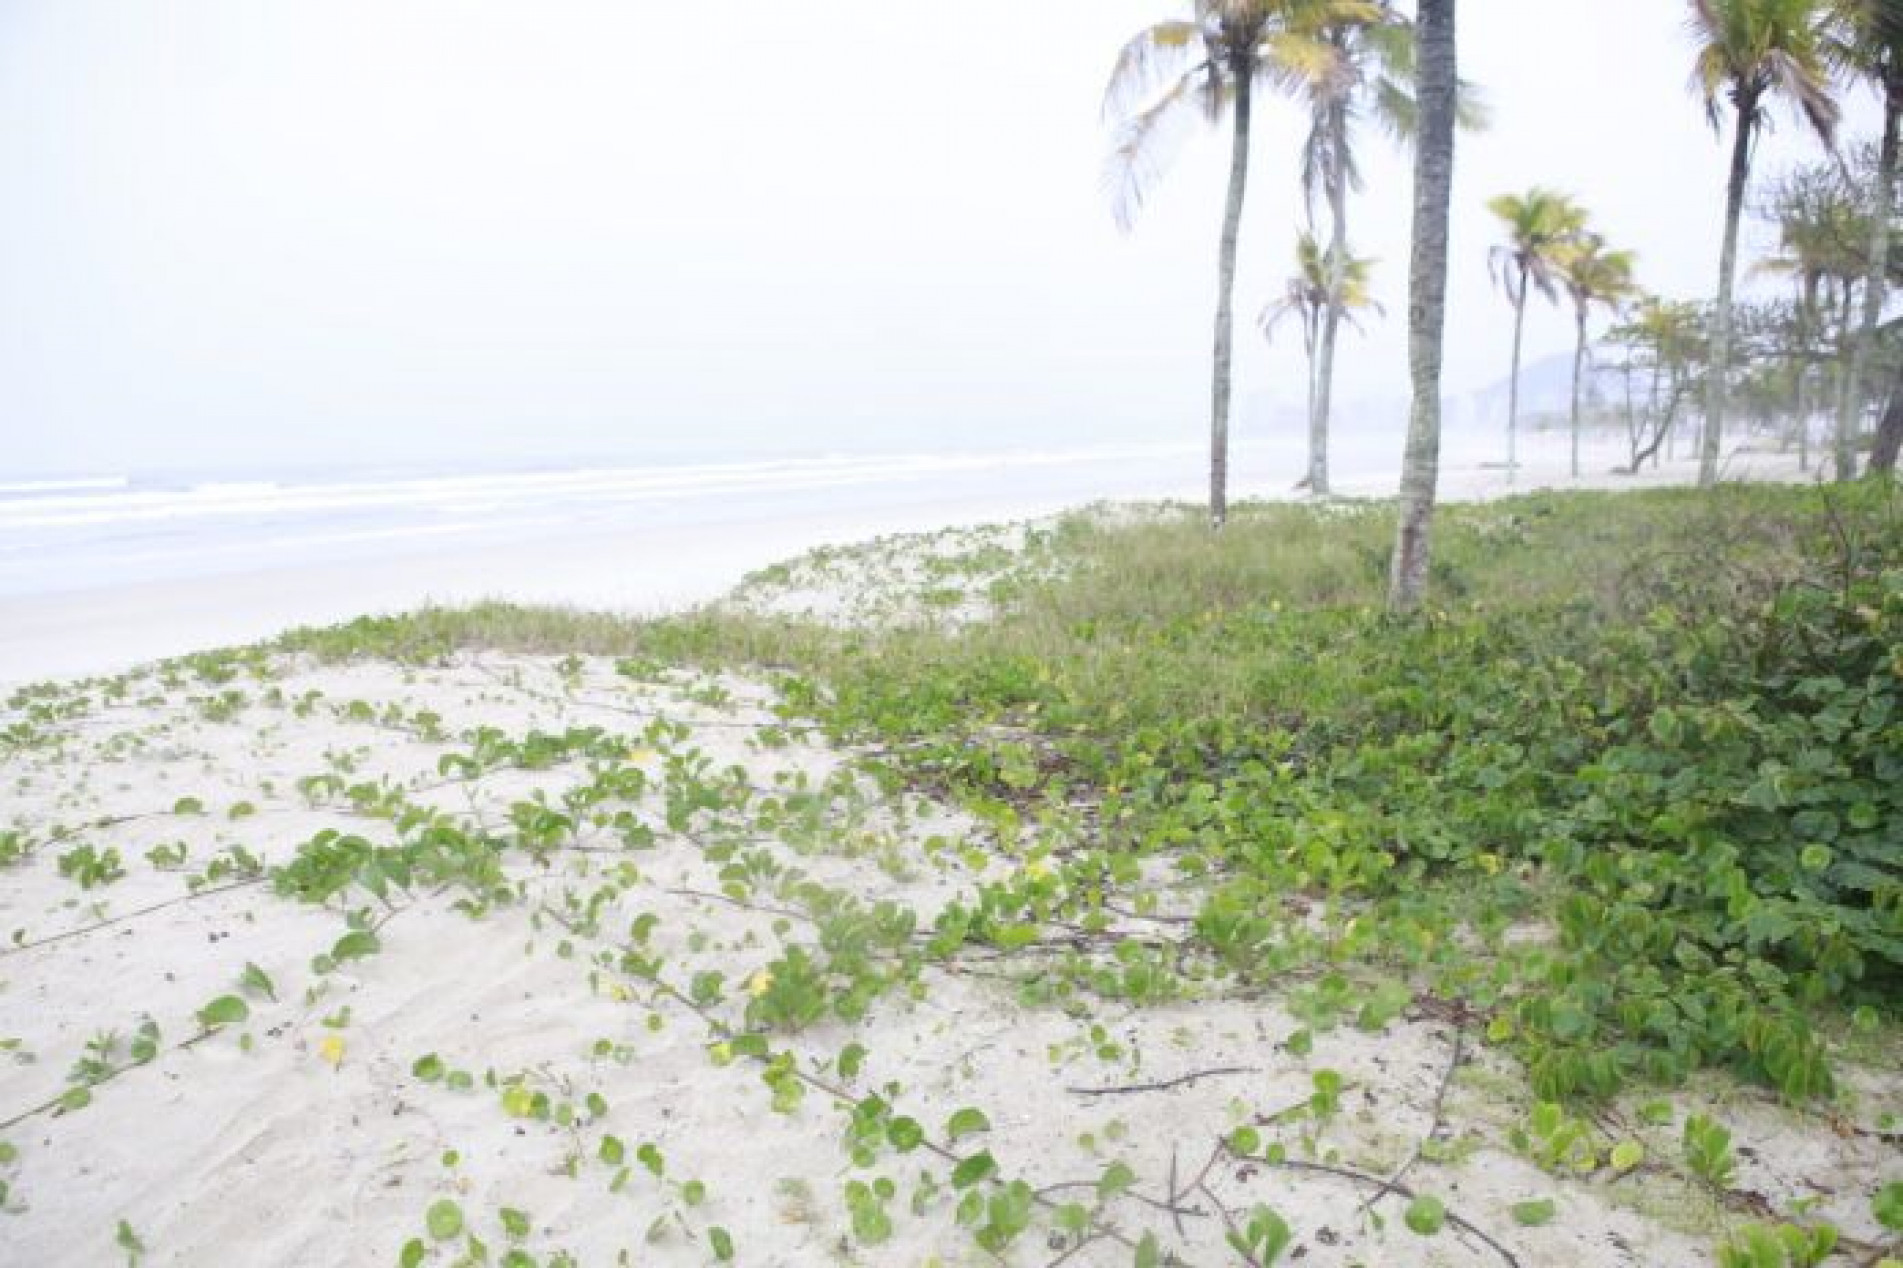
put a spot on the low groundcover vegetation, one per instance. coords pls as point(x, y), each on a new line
point(1621, 809)
point(1671, 737)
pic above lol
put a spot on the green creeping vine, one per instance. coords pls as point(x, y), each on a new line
point(1627, 823)
point(1693, 776)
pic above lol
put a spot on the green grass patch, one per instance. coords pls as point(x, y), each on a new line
point(1629, 792)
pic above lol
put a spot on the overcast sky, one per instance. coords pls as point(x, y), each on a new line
point(277, 230)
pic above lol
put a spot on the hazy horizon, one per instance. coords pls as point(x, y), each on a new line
point(274, 235)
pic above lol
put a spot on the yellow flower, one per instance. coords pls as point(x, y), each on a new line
point(640, 755)
point(1037, 869)
point(759, 983)
point(331, 1049)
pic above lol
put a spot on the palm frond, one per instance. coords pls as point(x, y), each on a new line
point(1148, 141)
point(1391, 48)
point(1803, 85)
point(1545, 278)
point(1503, 266)
point(1709, 75)
point(1150, 64)
point(1295, 302)
point(1350, 165)
point(1472, 111)
point(1396, 110)
point(1300, 62)
point(1387, 56)
point(1317, 161)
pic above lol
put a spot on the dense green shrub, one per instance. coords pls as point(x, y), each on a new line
point(1666, 727)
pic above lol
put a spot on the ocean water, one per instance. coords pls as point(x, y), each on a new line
point(95, 531)
point(106, 530)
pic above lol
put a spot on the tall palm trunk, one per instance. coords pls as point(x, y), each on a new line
point(1579, 370)
point(1806, 321)
point(1631, 416)
point(1656, 413)
point(1438, 69)
point(1889, 438)
point(1323, 404)
point(1513, 379)
point(1801, 407)
point(1842, 461)
point(1851, 400)
point(1311, 358)
point(1225, 300)
point(1718, 390)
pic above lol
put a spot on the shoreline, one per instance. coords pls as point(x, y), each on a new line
point(642, 572)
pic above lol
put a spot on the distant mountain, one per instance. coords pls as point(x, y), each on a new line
point(1546, 390)
point(1546, 395)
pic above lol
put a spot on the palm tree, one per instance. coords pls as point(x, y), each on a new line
point(1322, 290)
point(1367, 72)
point(1591, 275)
point(1869, 45)
point(1368, 67)
point(1751, 52)
point(1206, 63)
point(1438, 92)
point(1540, 225)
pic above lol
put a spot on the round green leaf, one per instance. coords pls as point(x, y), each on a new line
point(444, 1220)
point(1535, 1213)
point(1425, 1215)
point(965, 1122)
point(226, 1010)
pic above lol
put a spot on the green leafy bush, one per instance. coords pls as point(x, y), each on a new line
point(1668, 727)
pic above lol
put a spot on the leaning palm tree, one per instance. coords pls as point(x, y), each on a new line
point(1438, 92)
point(1210, 62)
point(1540, 225)
point(1367, 72)
point(1670, 334)
point(1751, 52)
point(1592, 275)
point(1324, 289)
point(1869, 45)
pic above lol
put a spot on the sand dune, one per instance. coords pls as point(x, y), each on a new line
point(533, 1032)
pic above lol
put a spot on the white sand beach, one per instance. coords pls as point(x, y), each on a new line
point(536, 898)
point(305, 1134)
